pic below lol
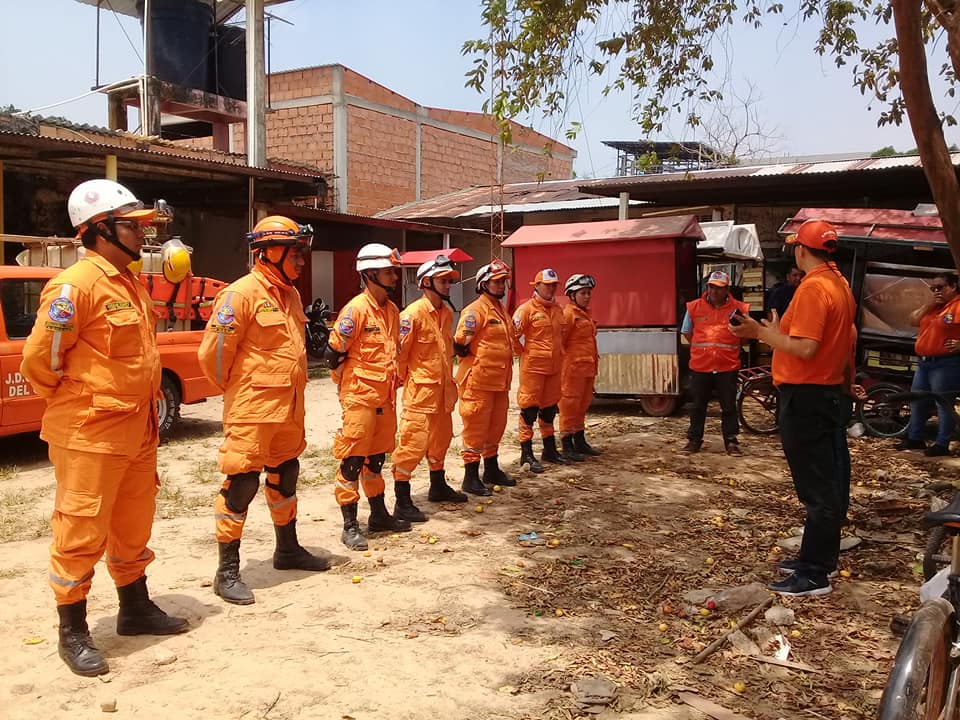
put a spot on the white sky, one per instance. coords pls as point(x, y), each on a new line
point(47, 54)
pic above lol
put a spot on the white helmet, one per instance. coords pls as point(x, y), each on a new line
point(579, 282)
point(95, 200)
point(376, 257)
point(440, 266)
point(494, 271)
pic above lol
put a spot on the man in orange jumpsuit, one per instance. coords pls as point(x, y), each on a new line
point(93, 356)
point(429, 393)
point(539, 327)
point(579, 368)
point(485, 343)
point(254, 349)
point(362, 353)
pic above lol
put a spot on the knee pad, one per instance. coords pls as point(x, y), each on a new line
point(375, 462)
point(243, 489)
point(548, 414)
point(529, 414)
point(288, 472)
point(350, 467)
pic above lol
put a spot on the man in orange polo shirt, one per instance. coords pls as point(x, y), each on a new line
point(813, 370)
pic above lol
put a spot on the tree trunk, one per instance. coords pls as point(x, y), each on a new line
point(922, 113)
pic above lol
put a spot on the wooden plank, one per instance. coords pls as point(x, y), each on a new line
point(717, 712)
point(787, 664)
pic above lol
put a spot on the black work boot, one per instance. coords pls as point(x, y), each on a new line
point(404, 508)
point(351, 536)
point(471, 480)
point(139, 615)
point(550, 453)
point(291, 555)
point(528, 458)
point(227, 583)
point(494, 475)
point(382, 521)
point(582, 446)
point(440, 491)
point(76, 647)
point(569, 452)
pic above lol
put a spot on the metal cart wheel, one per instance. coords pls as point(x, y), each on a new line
point(758, 405)
point(881, 416)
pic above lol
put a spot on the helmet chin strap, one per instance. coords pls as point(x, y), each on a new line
point(111, 237)
point(370, 276)
point(278, 265)
point(485, 291)
point(444, 298)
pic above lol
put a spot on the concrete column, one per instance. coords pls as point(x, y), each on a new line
point(624, 206)
point(256, 130)
point(340, 158)
point(110, 167)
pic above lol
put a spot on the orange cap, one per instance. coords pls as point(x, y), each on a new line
point(815, 234)
point(547, 277)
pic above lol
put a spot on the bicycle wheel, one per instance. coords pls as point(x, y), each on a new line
point(881, 416)
point(758, 405)
point(936, 555)
point(917, 685)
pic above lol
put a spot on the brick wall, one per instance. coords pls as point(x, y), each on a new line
point(381, 161)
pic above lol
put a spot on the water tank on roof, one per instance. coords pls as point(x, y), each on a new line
point(180, 41)
point(229, 62)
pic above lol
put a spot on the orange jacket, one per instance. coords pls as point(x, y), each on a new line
point(426, 357)
point(936, 327)
point(540, 325)
point(93, 355)
point(579, 342)
point(254, 349)
point(713, 348)
point(370, 334)
point(486, 328)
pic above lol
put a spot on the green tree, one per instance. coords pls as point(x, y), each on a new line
point(663, 50)
point(884, 152)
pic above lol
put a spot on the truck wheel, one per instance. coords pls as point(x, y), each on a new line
point(658, 405)
point(168, 408)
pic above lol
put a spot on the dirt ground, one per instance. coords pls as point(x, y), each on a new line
point(460, 619)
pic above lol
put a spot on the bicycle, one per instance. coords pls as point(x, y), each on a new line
point(758, 401)
point(885, 412)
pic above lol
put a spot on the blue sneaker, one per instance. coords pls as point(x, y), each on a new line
point(798, 585)
point(788, 567)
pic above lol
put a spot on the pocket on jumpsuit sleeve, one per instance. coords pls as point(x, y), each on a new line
point(75, 504)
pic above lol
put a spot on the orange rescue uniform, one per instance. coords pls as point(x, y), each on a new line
point(429, 393)
point(254, 349)
point(936, 327)
point(93, 355)
point(484, 376)
point(713, 348)
point(540, 324)
point(578, 369)
point(367, 386)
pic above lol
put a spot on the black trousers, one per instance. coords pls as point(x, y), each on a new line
point(813, 431)
point(702, 386)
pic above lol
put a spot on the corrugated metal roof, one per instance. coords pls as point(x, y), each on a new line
point(873, 224)
point(548, 206)
point(606, 231)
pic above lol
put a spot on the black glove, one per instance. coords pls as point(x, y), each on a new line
point(461, 350)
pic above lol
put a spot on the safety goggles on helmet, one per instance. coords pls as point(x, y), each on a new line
point(579, 282)
point(279, 231)
point(440, 266)
point(376, 256)
point(496, 270)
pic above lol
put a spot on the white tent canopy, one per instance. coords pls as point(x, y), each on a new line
point(726, 240)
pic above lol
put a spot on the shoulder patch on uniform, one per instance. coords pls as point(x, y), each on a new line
point(58, 326)
point(222, 329)
point(406, 325)
point(226, 315)
point(118, 305)
point(470, 322)
point(346, 326)
point(61, 310)
point(948, 318)
point(517, 321)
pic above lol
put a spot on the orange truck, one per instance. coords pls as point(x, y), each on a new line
point(21, 408)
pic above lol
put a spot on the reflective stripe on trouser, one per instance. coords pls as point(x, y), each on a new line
point(365, 431)
point(576, 396)
point(347, 491)
point(484, 414)
point(104, 503)
point(540, 391)
point(249, 447)
point(421, 434)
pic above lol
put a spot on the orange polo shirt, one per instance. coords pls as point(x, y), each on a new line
point(823, 309)
point(936, 327)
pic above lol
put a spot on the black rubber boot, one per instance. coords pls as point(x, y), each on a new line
point(569, 452)
point(139, 615)
point(382, 521)
point(351, 536)
point(227, 583)
point(528, 458)
point(440, 491)
point(471, 480)
point(76, 647)
point(582, 446)
point(404, 508)
point(291, 555)
point(494, 475)
point(550, 453)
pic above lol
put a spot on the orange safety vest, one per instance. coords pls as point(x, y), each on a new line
point(93, 355)
point(254, 350)
point(579, 342)
point(426, 357)
point(485, 327)
point(370, 334)
point(540, 324)
point(713, 348)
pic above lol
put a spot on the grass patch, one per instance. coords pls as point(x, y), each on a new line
point(173, 502)
point(20, 518)
point(207, 472)
point(315, 372)
point(9, 472)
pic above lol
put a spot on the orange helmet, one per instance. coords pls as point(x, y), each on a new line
point(276, 230)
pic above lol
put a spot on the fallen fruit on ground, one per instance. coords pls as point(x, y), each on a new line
point(739, 687)
point(663, 627)
point(479, 508)
point(356, 579)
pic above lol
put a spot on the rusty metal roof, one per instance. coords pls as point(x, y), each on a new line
point(673, 226)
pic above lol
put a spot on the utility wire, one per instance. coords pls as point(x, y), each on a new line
point(112, 86)
point(124, 31)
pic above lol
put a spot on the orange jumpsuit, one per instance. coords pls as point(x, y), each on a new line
point(254, 349)
point(484, 376)
point(367, 387)
point(540, 324)
point(429, 393)
point(93, 355)
point(580, 360)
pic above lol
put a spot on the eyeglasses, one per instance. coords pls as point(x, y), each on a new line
point(132, 224)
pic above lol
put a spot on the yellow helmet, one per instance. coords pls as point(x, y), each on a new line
point(175, 260)
point(135, 266)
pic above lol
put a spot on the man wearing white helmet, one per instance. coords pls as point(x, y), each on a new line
point(93, 356)
point(362, 355)
point(429, 393)
point(485, 342)
point(580, 363)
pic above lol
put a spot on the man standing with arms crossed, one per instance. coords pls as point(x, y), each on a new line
point(813, 370)
point(93, 355)
point(429, 393)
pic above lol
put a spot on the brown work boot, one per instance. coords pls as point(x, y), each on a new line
point(692, 446)
point(733, 447)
